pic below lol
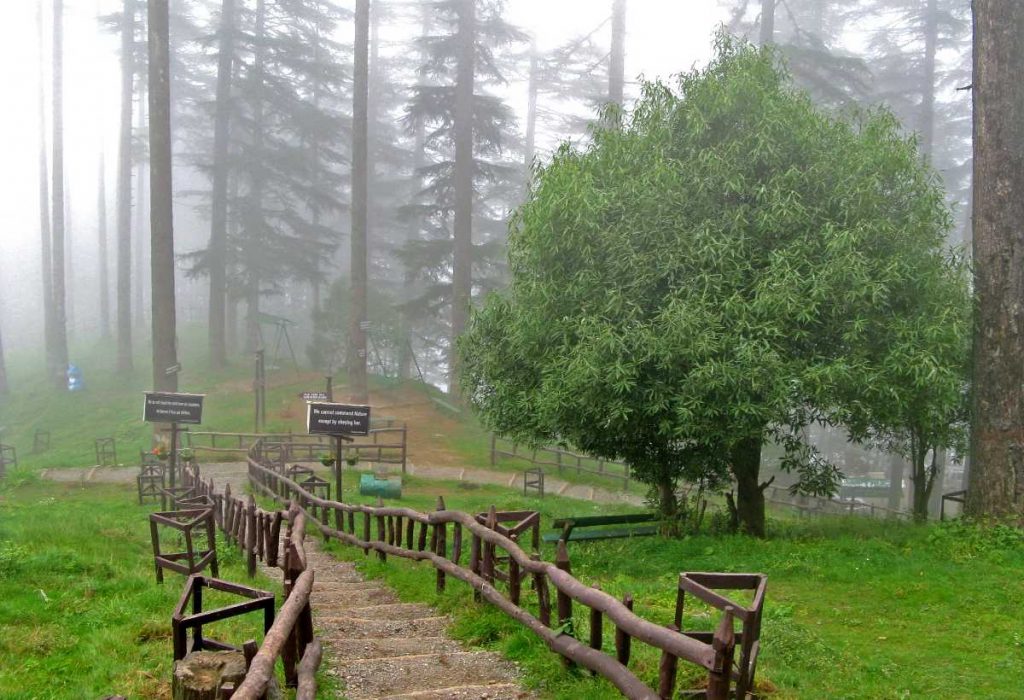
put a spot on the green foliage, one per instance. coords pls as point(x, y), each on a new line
point(727, 264)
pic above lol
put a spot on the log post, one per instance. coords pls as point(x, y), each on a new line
point(622, 639)
point(563, 601)
point(514, 578)
point(540, 583)
point(724, 644)
point(667, 668)
point(381, 530)
point(250, 537)
point(441, 530)
point(596, 628)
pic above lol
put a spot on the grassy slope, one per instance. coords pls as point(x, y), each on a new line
point(81, 615)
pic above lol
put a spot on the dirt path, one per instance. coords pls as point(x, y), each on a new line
point(230, 470)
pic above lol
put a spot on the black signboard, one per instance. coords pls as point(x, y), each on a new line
point(337, 419)
point(163, 407)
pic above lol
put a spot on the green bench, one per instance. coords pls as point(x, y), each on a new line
point(596, 527)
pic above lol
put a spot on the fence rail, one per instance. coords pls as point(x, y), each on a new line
point(817, 505)
point(405, 533)
point(290, 638)
point(563, 460)
point(386, 443)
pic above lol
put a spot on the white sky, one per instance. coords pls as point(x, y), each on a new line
point(663, 37)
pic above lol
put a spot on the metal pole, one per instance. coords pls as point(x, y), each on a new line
point(330, 388)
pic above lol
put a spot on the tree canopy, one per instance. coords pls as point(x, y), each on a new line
point(717, 270)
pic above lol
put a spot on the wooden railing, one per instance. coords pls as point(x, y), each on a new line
point(386, 443)
point(409, 534)
point(817, 505)
point(563, 460)
point(290, 638)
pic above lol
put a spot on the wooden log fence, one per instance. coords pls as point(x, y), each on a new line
point(562, 460)
point(386, 443)
point(818, 505)
point(258, 534)
point(352, 525)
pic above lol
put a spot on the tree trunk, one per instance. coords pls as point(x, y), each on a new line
point(104, 271)
point(617, 60)
point(668, 507)
point(767, 34)
point(44, 213)
point(60, 337)
point(996, 484)
point(3, 363)
point(200, 675)
point(462, 277)
point(161, 218)
point(69, 263)
point(124, 193)
point(533, 88)
point(143, 211)
point(252, 316)
point(216, 254)
point(927, 115)
point(356, 360)
point(895, 482)
point(746, 467)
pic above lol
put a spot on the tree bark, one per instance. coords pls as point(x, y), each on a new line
point(360, 196)
point(996, 482)
point(143, 211)
point(746, 468)
point(767, 33)
point(60, 337)
point(617, 60)
point(104, 267)
point(895, 501)
point(217, 251)
point(44, 213)
point(533, 89)
point(931, 40)
point(462, 273)
point(124, 193)
point(161, 218)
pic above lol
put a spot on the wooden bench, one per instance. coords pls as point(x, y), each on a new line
point(572, 529)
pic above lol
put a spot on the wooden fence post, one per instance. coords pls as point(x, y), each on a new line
point(563, 601)
point(622, 639)
point(250, 537)
point(724, 644)
point(667, 668)
point(442, 544)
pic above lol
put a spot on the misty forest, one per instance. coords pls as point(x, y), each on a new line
point(512, 349)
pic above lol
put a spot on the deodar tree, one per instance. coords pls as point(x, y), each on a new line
point(725, 266)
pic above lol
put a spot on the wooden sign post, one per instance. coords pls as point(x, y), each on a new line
point(340, 421)
point(165, 407)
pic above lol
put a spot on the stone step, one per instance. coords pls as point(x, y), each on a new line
point(377, 678)
point(344, 586)
point(349, 650)
point(396, 611)
point(498, 691)
point(343, 601)
point(347, 627)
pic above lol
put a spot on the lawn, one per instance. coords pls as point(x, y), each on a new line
point(81, 615)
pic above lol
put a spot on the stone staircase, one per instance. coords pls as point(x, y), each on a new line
point(379, 647)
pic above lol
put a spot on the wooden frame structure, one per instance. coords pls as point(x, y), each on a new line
point(40, 441)
point(151, 482)
point(192, 597)
point(106, 452)
point(703, 585)
point(533, 480)
point(8, 458)
point(187, 522)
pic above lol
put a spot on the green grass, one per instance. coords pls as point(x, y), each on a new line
point(111, 403)
point(855, 608)
point(81, 614)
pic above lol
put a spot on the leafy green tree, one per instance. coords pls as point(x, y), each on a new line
point(728, 265)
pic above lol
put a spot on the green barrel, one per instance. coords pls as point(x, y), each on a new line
point(370, 485)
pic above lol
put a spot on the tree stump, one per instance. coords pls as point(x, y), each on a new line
point(200, 675)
